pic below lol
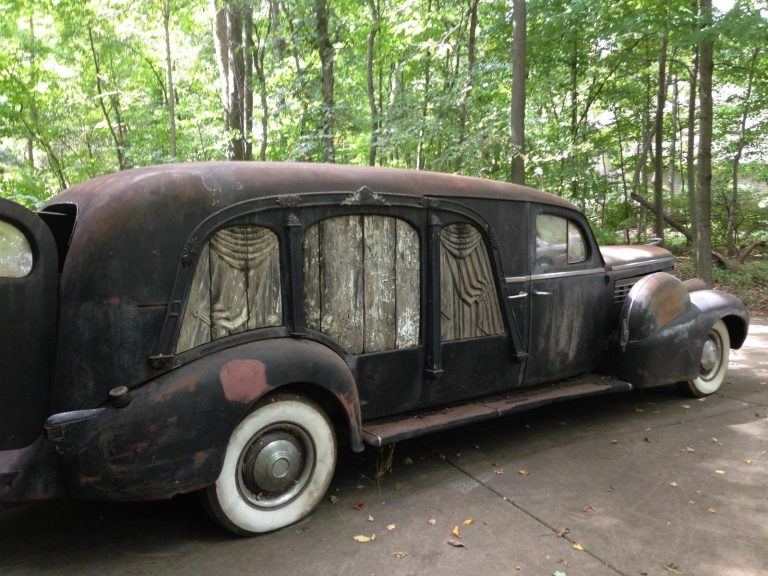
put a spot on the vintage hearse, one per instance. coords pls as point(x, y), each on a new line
point(216, 327)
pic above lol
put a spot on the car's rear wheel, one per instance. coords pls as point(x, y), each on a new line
point(713, 363)
point(277, 467)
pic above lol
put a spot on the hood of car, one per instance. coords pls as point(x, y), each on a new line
point(634, 256)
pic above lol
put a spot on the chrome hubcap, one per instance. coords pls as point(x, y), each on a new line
point(711, 356)
point(276, 466)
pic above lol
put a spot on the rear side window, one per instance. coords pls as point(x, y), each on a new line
point(15, 252)
point(469, 303)
point(236, 286)
point(362, 282)
point(559, 242)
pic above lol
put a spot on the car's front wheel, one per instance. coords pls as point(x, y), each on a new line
point(277, 467)
point(713, 363)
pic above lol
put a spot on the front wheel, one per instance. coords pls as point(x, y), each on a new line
point(713, 363)
point(278, 465)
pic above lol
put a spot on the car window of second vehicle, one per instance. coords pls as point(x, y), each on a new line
point(559, 242)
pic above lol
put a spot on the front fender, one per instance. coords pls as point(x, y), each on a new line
point(172, 436)
point(664, 328)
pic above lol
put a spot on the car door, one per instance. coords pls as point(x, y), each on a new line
point(28, 280)
point(568, 295)
point(476, 341)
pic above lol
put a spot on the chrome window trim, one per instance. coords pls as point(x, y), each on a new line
point(642, 263)
point(547, 275)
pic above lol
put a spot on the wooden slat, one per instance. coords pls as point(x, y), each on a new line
point(407, 272)
point(311, 263)
point(341, 281)
point(379, 251)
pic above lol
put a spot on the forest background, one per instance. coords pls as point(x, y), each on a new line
point(650, 115)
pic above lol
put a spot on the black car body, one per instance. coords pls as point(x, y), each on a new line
point(166, 304)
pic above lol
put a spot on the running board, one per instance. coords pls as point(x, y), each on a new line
point(389, 430)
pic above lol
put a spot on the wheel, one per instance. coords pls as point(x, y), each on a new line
point(713, 364)
point(277, 467)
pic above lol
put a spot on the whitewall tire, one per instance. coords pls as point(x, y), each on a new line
point(713, 363)
point(277, 467)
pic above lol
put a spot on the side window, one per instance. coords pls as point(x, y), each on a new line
point(236, 286)
point(469, 303)
point(361, 282)
point(559, 242)
point(15, 252)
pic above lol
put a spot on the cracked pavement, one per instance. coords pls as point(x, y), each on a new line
point(648, 482)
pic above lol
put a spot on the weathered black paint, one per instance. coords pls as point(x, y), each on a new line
point(124, 286)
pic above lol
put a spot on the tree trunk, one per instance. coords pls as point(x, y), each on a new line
point(691, 153)
point(247, 57)
point(258, 63)
point(574, 72)
point(658, 178)
point(170, 98)
point(471, 51)
point(372, 4)
point(517, 105)
point(113, 130)
point(673, 138)
point(326, 52)
point(704, 191)
point(732, 205)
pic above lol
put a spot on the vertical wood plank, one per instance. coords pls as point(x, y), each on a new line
point(196, 323)
point(263, 266)
point(407, 273)
point(229, 285)
point(341, 282)
point(311, 266)
point(379, 246)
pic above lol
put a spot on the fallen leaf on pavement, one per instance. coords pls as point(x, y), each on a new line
point(468, 521)
point(559, 573)
point(614, 441)
point(457, 543)
point(362, 538)
point(715, 440)
point(523, 472)
point(358, 505)
point(391, 527)
point(589, 509)
point(672, 568)
point(673, 484)
point(721, 472)
point(577, 546)
point(639, 410)
point(432, 521)
point(334, 499)
point(688, 449)
point(456, 531)
point(711, 510)
point(685, 407)
point(563, 532)
point(371, 518)
point(400, 555)
point(747, 461)
point(498, 471)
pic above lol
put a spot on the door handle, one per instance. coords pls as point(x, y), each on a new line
point(518, 296)
point(542, 293)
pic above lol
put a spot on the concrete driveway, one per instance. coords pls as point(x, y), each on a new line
point(641, 483)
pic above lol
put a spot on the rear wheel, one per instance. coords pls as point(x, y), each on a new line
point(278, 465)
point(713, 363)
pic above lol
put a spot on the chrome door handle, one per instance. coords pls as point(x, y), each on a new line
point(542, 293)
point(518, 296)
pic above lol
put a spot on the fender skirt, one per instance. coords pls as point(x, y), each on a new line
point(664, 327)
point(171, 436)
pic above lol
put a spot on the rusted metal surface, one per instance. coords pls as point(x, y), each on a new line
point(134, 416)
point(397, 429)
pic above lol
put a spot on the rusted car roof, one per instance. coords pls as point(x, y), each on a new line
point(220, 184)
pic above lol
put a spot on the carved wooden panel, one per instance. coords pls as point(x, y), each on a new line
point(361, 282)
point(236, 286)
point(469, 304)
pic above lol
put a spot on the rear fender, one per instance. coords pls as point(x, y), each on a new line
point(172, 436)
point(664, 326)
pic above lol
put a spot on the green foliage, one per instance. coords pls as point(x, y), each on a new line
point(592, 74)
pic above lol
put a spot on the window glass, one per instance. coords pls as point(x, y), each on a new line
point(558, 242)
point(361, 282)
point(577, 250)
point(469, 304)
point(15, 252)
point(236, 286)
